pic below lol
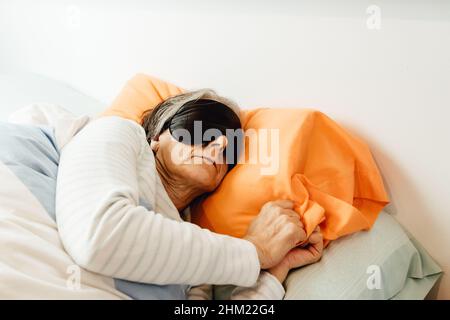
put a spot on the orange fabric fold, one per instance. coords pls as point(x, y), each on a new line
point(140, 94)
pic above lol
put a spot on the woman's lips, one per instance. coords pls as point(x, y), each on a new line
point(207, 159)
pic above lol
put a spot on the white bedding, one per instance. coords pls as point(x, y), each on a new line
point(33, 263)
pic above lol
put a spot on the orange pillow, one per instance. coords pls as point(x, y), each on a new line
point(140, 94)
point(329, 173)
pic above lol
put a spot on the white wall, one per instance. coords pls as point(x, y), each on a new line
point(391, 86)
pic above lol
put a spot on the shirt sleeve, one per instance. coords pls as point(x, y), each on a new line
point(105, 230)
point(266, 288)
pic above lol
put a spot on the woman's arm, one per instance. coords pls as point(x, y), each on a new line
point(105, 230)
point(269, 285)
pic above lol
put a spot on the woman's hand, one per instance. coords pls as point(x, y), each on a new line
point(299, 257)
point(275, 231)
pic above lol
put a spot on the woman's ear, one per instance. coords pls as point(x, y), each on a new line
point(154, 145)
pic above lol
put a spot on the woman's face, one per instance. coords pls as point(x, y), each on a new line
point(199, 166)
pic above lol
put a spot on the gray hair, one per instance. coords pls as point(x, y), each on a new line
point(153, 120)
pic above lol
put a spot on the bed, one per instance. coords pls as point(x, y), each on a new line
point(383, 263)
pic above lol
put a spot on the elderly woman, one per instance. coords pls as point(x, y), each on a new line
point(121, 187)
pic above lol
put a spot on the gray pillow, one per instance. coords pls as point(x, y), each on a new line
point(383, 263)
point(350, 266)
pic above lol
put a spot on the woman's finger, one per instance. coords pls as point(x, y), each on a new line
point(315, 237)
point(318, 247)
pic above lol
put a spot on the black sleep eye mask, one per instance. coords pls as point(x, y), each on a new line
point(201, 121)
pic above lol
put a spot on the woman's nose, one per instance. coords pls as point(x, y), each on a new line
point(215, 151)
